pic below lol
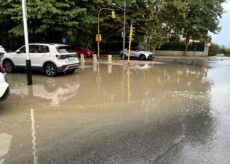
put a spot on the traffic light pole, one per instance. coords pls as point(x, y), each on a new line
point(98, 37)
point(98, 33)
point(123, 56)
point(130, 41)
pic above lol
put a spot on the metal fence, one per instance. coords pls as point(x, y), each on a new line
point(181, 47)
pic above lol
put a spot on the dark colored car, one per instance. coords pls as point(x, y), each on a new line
point(86, 52)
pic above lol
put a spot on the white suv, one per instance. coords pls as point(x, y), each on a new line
point(2, 51)
point(49, 58)
point(4, 86)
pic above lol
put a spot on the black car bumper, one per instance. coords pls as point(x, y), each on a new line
point(68, 67)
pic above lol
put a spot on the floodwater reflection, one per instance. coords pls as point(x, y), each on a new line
point(52, 89)
point(113, 114)
point(5, 142)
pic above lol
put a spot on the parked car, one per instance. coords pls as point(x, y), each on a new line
point(86, 52)
point(2, 51)
point(48, 58)
point(138, 53)
point(4, 86)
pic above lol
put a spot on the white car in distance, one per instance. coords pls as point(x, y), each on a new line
point(138, 53)
point(48, 58)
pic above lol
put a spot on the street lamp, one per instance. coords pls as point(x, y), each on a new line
point(28, 62)
point(123, 35)
point(98, 36)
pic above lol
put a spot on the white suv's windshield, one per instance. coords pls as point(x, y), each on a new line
point(64, 49)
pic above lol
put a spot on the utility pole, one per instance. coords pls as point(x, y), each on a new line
point(28, 62)
point(123, 56)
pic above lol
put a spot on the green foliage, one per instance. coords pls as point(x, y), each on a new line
point(227, 52)
point(45, 15)
point(49, 20)
point(214, 49)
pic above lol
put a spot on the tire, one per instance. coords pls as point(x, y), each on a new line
point(8, 66)
point(142, 57)
point(50, 70)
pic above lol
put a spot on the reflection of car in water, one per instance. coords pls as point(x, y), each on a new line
point(138, 53)
point(143, 66)
point(50, 91)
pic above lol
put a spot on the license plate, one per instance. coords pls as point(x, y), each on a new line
point(71, 58)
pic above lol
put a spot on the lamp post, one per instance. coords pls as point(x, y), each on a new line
point(123, 35)
point(123, 56)
point(98, 36)
point(28, 62)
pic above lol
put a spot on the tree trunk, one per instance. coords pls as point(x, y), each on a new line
point(186, 46)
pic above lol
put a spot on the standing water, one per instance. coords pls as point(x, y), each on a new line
point(114, 114)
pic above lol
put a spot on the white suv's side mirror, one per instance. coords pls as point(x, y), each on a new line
point(18, 51)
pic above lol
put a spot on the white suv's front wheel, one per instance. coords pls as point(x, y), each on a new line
point(142, 57)
point(50, 70)
point(8, 66)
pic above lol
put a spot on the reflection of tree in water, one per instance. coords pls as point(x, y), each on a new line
point(169, 108)
point(179, 93)
point(200, 125)
point(191, 94)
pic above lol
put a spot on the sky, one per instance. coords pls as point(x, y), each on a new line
point(223, 37)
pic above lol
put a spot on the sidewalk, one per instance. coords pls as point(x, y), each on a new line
point(198, 61)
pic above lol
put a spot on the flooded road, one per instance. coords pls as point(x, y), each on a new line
point(114, 114)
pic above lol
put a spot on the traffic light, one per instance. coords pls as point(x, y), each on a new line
point(98, 38)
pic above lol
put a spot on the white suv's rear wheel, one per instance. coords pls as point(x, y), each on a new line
point(50, 69)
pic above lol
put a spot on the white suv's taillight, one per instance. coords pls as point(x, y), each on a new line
point(62, 57)
point(2, 69)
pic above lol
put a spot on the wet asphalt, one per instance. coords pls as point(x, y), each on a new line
point(147, 113)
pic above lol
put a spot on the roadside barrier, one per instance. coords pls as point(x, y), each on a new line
point(109, 59)
point(94, 58)
point(82, 58)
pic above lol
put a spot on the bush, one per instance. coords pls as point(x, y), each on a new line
point(214, 49)
point(227, 52)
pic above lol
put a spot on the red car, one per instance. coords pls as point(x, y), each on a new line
point(86, 52)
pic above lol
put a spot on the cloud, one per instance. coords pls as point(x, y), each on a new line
point(226, 5)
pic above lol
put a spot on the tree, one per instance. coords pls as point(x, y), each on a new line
point(200, 17)
point(49, 20)
point(45, 17)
